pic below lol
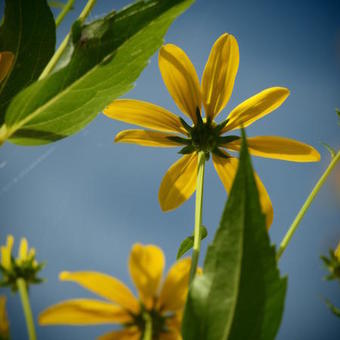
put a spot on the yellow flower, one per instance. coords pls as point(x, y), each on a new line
point(23, 266)
point(6, 61)
point(169, 130)
point(162, 306)
point(337, 252)
point(4, 325)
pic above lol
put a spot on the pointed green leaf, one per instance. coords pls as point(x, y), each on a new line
point(108, 56)
point(240, 294)
point(188, 243)
point(333, 309)
point(29, 32)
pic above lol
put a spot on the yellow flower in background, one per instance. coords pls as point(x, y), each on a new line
point(4, 325)
point(337, 252)
point(159, 306)
point(6, 61)
point(168, 130)
point(24, 266)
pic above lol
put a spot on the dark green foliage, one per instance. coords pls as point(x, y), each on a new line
point(188, 243)
point(103, 60)
point(240, 294)
point(29, 32)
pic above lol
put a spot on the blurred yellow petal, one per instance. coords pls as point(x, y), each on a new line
point(146, 138)
point(226, 169)
point(175, 287)
point(219, 74)
point(146, 264)
point(131, 333)
point(278, 148)
point(6, 61)
point(337, 252)
point(179, 183)
point(171, 335)
point(180, 78)
point(256, 107)
point(23, 249)
point(6, 252)
point(105, 286)
point(144, 114)
point(83, 312)
point(4, 325)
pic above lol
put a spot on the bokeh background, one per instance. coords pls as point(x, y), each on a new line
point(82, 202)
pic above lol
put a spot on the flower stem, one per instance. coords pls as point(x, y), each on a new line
point(198, 215)
point(148, 327)
point(306, 206)
point(58, 53)
point(63, 12)
point(27, 308)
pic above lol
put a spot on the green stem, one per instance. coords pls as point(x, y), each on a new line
point(27, 308)
point(306, 205)
point(63, 12)
point(198, 215)
point(148, 327)
point(58, 53)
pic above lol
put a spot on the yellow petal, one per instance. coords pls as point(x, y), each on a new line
point(146, 266)
point(278, 148)
point(174, 325)
point(179, 183)
point(180, 78)
point(6, 252)
point(105, 286)
point(6, 61)
point(131, 333)
point(171, 335)
point(144, 114)
point(4, 325)
point(219, 74)
point(256, 107)
point(146, 138)
point(175, 287)
point(226, 170)
point(23, 249)
point(83, 312)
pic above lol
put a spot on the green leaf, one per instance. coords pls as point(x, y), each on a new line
point(188, 243)
point(333, 309)
point(240, 294)
point(29, 32)
point(108, 56)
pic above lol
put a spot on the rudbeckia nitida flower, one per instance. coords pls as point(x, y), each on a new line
point(332, 263)
point(164, 129)
point(24, 266)
point(158, 306)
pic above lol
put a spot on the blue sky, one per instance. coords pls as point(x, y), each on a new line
point(84, 201)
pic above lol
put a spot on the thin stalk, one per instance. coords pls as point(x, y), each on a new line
point(58, 53)
point(27, 308)
point(292, 229)
point(198, 215)
point(148, 327)
point(64, 12)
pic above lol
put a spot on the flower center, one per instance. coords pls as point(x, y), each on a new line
point(153, 318)
point(204, 136)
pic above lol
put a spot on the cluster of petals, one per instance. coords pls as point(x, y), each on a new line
point(118, 304)
point(213, 94)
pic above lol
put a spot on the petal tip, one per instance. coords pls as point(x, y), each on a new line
point(64, 275)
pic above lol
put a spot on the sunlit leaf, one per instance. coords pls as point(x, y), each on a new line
point(28, 32)
point(240, 294)
point(108, 56)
